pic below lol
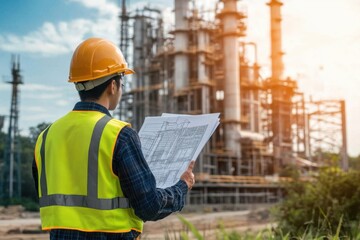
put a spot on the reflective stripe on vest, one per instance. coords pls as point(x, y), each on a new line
point(91, 200)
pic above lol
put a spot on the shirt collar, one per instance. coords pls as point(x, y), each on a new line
point(91, 106)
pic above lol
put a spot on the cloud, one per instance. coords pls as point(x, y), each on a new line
point(31, 87)
point(62, 103)
point(42, 92)
point(39, 117)
point(160, 4)
point(34, 109)
point(5, 86)
point(43, 96)
point(104, 7)
point(3, 110)
point(53, 39)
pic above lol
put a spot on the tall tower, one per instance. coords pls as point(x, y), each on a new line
point(277, 66)
point(181, 43)
point(232, 29)
point(11, 170)
point(282, 93)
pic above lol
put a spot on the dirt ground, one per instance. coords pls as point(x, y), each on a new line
point(15, 224)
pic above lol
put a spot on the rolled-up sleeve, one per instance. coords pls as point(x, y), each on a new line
point(138, 183)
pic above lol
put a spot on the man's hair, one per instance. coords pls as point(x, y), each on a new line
point(96, 92)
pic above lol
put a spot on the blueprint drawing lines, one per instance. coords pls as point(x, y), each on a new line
point(169, 146)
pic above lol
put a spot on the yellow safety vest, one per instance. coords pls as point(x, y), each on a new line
point(77, 187)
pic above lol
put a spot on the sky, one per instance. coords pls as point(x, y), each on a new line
point(321, 42)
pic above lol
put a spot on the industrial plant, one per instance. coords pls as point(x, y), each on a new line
point(204, 64)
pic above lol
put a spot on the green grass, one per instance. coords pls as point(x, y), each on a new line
point(191, 232)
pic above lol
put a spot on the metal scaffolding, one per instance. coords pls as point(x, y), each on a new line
point(326, 120)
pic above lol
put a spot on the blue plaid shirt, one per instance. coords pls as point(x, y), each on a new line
point(137, 183)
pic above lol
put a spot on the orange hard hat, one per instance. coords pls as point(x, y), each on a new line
point(97, 58)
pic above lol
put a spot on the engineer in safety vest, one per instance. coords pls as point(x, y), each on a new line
point(91, 176)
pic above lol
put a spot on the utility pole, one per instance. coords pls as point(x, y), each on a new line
point(11, 171)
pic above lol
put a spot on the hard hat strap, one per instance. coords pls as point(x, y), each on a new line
point(88, 85)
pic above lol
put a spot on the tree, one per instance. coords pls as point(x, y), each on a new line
point(35, 131)
point(354, 162)
point(27, 143)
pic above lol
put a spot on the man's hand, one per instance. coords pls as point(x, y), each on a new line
point(188, 175)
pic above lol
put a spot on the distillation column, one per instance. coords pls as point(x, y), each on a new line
point(232, 110)
point(181, 42)
point(138, 56)
point(144, 24)
point(277, 66)
point(282, 92)
point(203, 40)
point(139, 51)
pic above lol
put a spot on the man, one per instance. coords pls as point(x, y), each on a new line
point(92, 179)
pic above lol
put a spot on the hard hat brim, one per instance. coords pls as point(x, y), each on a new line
point(129, 71)
point(126, 72)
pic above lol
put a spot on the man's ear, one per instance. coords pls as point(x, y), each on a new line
point(111, 88)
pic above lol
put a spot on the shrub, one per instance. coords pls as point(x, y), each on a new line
point(329, 203)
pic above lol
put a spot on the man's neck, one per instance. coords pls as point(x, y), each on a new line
point(101, 101)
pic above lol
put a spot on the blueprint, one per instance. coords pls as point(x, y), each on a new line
point(171, 141)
